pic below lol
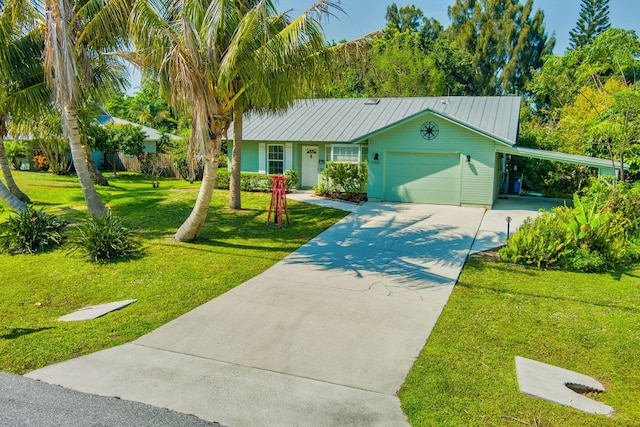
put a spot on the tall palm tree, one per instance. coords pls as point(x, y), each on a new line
point(208, 53)
point(76, 32)
point(297, 72)
point(21, 76)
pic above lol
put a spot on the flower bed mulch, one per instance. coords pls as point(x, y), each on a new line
point(346, 197)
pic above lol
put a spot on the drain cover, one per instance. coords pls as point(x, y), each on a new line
point(560, 386)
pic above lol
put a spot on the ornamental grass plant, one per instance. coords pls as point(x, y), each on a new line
point(30, 231)
point(105, 238)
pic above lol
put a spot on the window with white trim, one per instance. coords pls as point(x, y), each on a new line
point(275, 159)
point(344, 154)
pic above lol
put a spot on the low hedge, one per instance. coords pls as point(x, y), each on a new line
point(253, 182)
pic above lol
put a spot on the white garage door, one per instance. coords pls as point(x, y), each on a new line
point(422, 178)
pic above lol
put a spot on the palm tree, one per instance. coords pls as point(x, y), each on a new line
point(208, 53)
point(21, 76)
point(11, 200)
point(77, 32)
point(297, 72)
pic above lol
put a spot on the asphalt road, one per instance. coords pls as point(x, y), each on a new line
point(26, 402)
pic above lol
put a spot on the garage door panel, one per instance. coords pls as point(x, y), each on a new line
point(423, 178)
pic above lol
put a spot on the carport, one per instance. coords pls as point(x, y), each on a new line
point(605, 167)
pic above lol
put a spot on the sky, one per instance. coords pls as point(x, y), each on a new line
point(362, 17)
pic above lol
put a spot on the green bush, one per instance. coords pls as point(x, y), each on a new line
point(222, 179)
point(15, 151)
point(255, 182)
point(252, 182)
point(30, 231)
point(588, 238)
point(292, 174)
point(585, 260)
point(103, 239)
point(344, 177)
point(540, 241)
point(624, 199)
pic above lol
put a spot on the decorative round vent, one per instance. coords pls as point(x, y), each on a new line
point(429, 130)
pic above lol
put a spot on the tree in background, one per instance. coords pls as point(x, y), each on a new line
point(127, 139)
point(593, 20)
point(398, 66)
point(589, 98)
point(145, 107)
point(412, 57)
point(505, 39)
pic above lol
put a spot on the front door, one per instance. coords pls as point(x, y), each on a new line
point(309, 176)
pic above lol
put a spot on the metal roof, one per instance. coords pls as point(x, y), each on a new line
point(556, 156)
point(355, 119)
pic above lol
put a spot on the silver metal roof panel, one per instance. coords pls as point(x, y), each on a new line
point(352, 119)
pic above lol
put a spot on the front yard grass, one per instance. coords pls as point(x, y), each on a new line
point(169, 280)
point(588, 323)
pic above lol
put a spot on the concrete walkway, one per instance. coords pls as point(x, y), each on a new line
point(323, 338)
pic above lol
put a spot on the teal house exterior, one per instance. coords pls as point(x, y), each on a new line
point(438, 150)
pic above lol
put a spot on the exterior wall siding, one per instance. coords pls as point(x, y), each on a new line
point(478, 175)
point(249, 156)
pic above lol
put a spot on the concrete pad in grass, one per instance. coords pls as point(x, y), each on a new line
point(557, 385)
point(95, 311)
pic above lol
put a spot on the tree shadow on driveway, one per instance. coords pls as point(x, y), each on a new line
point(398, 245)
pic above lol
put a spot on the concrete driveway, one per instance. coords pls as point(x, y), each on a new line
point(323, 338)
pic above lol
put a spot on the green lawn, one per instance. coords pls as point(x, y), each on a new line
point(465, 375)
point(168, 281)
point(589, 323)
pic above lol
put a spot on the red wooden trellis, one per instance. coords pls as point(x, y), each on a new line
point(278, 199)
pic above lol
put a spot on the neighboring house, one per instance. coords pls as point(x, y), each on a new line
point(441, 150)
point(153, 136)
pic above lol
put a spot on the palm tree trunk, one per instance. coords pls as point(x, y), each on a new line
point(95, 205)
point(191, 228)
point(96, 177)
point(8, 177)
point(235, 201)
point(14, 203)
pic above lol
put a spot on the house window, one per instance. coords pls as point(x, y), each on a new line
point(345, 154)
point(275, 159)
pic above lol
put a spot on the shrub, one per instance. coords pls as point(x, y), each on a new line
point(345, 177)
point(222, 179)
point(15, 151)
point(540, 241)
point(253, 182)
point(585, 260)
point(292, 174)
point(588, 238)
point(624, 199)
point(104, 238)
point(30, 231)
